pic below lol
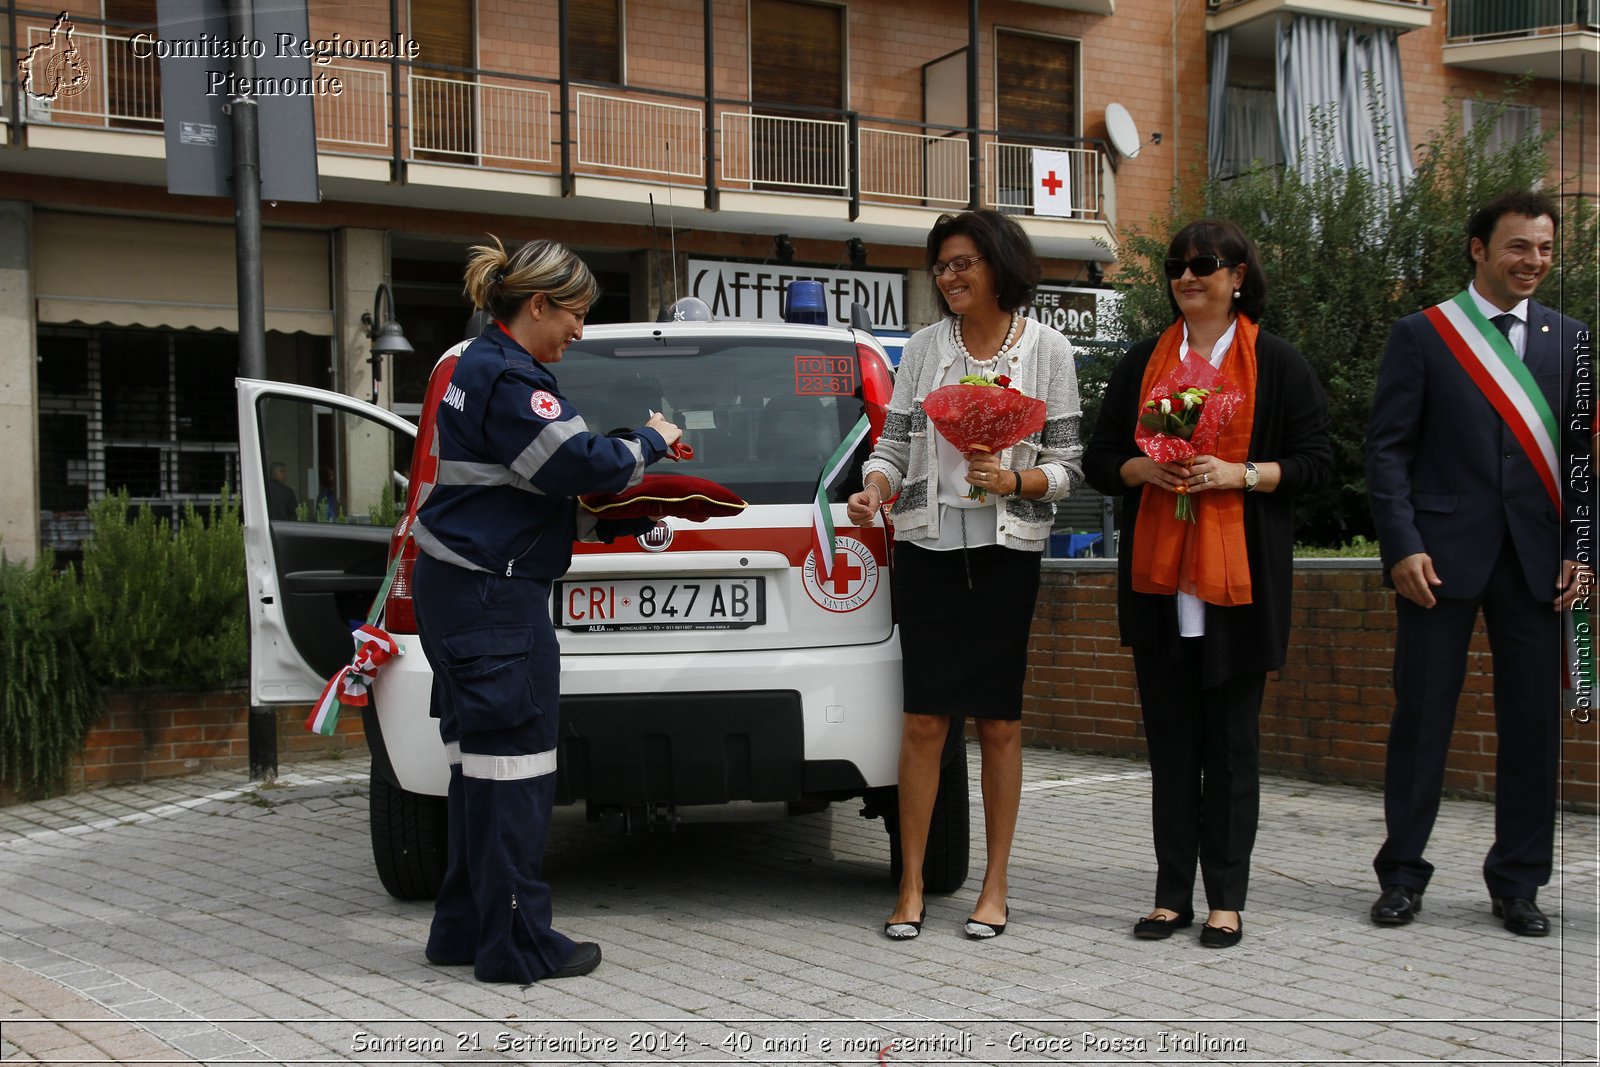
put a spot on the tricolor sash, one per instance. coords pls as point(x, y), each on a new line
point(1492, 364)
point(1489, 360)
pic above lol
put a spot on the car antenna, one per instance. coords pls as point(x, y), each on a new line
point(665, 314)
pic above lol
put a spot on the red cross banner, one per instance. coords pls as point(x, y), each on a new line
point(1052, 185)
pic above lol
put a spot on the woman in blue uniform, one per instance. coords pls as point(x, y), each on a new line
point(494, 530)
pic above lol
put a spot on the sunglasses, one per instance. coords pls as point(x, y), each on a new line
point(1199, 266)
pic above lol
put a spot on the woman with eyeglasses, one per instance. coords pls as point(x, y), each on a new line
point(1205, 603)
point(966, 564)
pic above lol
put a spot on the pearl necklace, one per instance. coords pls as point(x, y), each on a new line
point(1005, 346)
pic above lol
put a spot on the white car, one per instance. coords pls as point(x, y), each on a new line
point(707, 669)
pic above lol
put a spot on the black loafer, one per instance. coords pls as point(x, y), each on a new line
point(1522, 916)
point(1222, 936)
point(1159, 929)
point(1397, 906)
point(585, 958)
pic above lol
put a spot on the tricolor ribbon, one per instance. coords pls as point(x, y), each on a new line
point(823, 539)
point(350, 685)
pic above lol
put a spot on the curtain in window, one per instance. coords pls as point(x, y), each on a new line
point(1373, 116)
point(1217, 124)
point(1340, 99)
point(1252, 132)
point(1310, 89)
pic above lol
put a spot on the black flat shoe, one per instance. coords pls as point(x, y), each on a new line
point(1159, 929)
point(905, 931)
point(585, 958)
point(1522, 916)
point(1222, 936)
point(977, 931)
point(1397, 906)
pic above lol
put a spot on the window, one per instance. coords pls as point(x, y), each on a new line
point(594, 40)
point(1036, 105)
point(757, 427)
point(1508, 125)
point(797, 55)
point(133, 85)
point(149, 411)
point(443, 111)
point(1036, 88)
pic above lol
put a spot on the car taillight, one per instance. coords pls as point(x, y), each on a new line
point(877, 386)
point(399, 616)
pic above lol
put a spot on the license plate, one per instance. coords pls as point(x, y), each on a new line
point(635, 605)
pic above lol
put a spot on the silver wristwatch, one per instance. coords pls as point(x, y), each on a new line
point(1252, 477)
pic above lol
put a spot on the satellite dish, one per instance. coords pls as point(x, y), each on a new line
point(1121, 131)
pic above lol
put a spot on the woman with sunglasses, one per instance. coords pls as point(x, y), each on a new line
point(1205, 603)
point(966, 565)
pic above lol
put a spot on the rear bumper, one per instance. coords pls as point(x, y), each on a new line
point(685, 728)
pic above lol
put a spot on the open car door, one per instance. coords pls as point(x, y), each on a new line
point(323, 484)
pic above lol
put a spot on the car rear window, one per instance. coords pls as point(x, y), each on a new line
point(763, 415)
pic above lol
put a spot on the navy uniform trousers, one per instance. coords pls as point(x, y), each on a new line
point(1430, 657)
point(496, 686)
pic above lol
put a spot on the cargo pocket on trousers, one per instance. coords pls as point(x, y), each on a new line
point(489, 670)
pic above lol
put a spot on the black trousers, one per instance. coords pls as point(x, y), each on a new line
point(1430, 664)
point(1205, 776)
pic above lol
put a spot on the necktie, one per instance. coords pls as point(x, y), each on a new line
point(1504, 323)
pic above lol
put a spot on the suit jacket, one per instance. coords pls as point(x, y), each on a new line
point(1290, 429)
point(1446, 476)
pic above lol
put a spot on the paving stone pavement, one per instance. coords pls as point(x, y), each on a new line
point(212, 920)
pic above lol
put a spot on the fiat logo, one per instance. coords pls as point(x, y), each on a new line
point(657, 539)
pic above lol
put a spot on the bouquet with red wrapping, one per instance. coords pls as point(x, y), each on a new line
point(1184, 416)
point(983, 415)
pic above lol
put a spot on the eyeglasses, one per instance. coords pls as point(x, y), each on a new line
point(960, 265)
point(1199, 266)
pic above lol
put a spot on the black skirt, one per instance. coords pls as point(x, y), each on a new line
point(964, 651)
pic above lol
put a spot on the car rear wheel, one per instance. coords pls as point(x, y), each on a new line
point(409, 835)
point(944, 866)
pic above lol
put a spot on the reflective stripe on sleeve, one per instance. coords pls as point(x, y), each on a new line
point(508, 768)
point(452, 752)
point(549, 439)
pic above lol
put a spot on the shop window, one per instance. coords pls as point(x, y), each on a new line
point(152, 412)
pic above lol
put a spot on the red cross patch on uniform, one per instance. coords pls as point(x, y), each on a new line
point(545, 405)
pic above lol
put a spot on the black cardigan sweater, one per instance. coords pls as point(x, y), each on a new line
point(1290, 429)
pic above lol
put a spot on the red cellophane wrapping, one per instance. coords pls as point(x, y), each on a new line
point(1214, 413)
point(983, 417)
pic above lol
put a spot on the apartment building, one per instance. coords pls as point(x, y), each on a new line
point(716, 148)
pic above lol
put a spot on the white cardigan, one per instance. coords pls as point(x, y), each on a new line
point(1040, 364)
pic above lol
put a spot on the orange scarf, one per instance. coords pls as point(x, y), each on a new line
point(1206, 557)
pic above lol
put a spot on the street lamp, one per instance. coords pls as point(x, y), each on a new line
point(387, 338)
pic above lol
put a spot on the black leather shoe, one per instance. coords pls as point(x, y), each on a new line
point(1222, 936)
point(1522, 916)
point(585, 958)
point(1397, 906)
point(1159, 929)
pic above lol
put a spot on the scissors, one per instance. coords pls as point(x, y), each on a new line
point(676, 450)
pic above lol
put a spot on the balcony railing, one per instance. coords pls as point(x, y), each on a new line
point(1008, 177)
point(122, 90)
point(640, 136)
point(505, 122)
point(1489, 18)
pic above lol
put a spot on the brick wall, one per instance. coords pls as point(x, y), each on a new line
point(143, 736)
point(1326, 714)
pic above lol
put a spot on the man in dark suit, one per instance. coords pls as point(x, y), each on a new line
point(1468, 484)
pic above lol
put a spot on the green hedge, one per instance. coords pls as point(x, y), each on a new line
point(156, 604)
